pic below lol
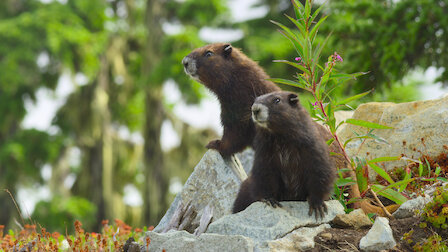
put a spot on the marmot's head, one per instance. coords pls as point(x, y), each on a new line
point(209, 63)
point(278, 111)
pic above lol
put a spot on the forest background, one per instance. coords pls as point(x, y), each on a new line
point(98, 120)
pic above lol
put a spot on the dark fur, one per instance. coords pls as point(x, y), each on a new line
point(237, 81)
point(292, 160)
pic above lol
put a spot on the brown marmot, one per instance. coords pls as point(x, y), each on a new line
point(292, 160)
point(236, 80)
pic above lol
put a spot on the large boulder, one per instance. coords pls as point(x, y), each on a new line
point(301, 239)
point(213, 181)
point(420, 127)
point(262, 222)
point(183, 241)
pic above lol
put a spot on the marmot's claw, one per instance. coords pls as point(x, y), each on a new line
point(215, 144)
point(319, 210)
point(272, 202)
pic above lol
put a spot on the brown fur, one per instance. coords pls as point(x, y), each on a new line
point(292, 160)
point(237, 81)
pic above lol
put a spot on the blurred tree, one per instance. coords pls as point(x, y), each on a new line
point(389, 38)
point(133, 68)
point(26, 32)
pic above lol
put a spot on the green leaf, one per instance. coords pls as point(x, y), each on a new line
point(340, 124)
point(335, 154)
point(390, 194)
point(400, 183)
point(291, 36)
point(345, 77)
point(437, 171)
point(298, 25)
point(307, 9)
point(345, 182)
point(294, 41)
point(296, 65)
point(319, 50)
point(406, 177)
point(382, 173)
point(290, 83)
point(366, 124)
point(442, 179)
point(384, 159)
point(428, 166)
point(297, 9)
point(316, 28)
point(316, 13)
point(377, 138)
point(342, 170)
point(353, 138)
point(420, 169)
point(331, 140)
point(353, 200)
point(355, 97)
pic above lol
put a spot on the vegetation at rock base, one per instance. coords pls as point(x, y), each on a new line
point(430, 232)
point(436, 211)
point(30, 238)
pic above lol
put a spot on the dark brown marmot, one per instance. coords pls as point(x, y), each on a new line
point(292, 160)
point(237, 81)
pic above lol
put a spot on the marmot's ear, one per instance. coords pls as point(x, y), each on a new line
point(293, 99)
point(227, 49)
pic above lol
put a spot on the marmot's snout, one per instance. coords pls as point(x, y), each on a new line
point(190, 67)
point(260, 114)
point(185, 61)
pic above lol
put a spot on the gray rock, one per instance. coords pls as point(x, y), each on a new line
point(430, 189)
point(261, 222)
point(419, 127)
point(299, 209)
point(247, 159)
point(180, 241)
point(299, 240)
point(379, 236)
point(212, 181)
point(355, 219)
point(409, 208)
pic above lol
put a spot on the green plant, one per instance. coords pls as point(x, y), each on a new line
point(433, 243)
point(321, 80)
point(436, 211)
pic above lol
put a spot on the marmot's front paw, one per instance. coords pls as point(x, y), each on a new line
point(215, 144)
point(272, 202)
point(318, 207)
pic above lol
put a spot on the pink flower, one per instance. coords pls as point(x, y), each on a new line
point(298, 59)
point(338, 57)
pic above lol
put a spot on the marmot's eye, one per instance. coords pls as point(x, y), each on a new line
point(276, 100)
point(208, 54)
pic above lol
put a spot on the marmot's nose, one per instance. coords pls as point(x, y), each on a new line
point(256, 110)
point(185, 61)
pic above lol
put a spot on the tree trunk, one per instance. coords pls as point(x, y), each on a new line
point(95, 180)
point(156, 185)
